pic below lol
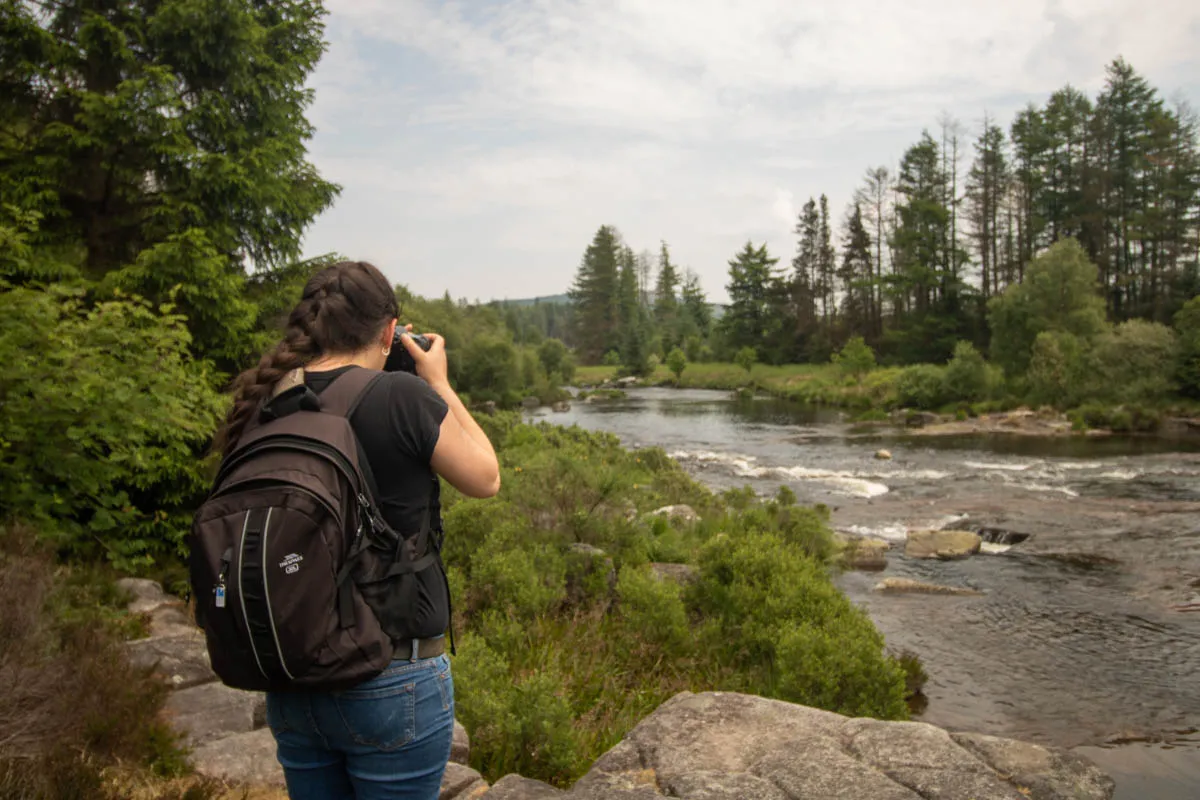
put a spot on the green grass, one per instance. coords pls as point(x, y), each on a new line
point(822, 384)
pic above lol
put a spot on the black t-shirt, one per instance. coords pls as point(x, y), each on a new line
point(398, 421)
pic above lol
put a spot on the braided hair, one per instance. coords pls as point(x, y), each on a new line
point(343, 308)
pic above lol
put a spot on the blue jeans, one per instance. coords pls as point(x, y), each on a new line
point(385, 739)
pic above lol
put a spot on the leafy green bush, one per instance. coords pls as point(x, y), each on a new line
point(654, 607)
point(1134, 362)
point(856, 359)
point(745, 358)
point(1187, 325)
point(105, 420)
point(922, 386)
point(1058, 372)
point(677, 363)
point(1059, 295)
point(966, 375)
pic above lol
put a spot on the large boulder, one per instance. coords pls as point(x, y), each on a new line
point(147, 594)
point(245, 758)
point(942, 544)
point(181, 660)
point(460, 782)
point(214, 711)
point(514, 787)
point(866, 554)
point(460, 748)
point(724, 746)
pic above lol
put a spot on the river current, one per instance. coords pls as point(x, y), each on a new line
point(1078, 639)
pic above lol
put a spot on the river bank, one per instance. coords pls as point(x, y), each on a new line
point(1073, 639)
point(874, 400)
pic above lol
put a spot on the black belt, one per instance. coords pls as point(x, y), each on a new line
point(418, 649)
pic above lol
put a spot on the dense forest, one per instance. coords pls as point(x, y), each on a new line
point(939, 254)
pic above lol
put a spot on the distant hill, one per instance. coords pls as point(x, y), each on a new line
point(717, 308)
point(529, 301)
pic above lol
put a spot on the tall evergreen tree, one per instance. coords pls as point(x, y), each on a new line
point(596, 298)
point(164, 143)
point(666, 304)
point(872, 197)
point(633, 335)
point(826, 264)
point(748, 320)
point(697, 315)
point(855, 275)
point(986, 186)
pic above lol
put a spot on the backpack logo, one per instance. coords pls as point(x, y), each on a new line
point(291, 563)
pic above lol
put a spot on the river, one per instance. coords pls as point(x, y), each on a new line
point(1074, 641)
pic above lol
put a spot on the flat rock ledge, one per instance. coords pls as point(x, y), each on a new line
point(226, 729)
point(722, 746)
point(710, 746)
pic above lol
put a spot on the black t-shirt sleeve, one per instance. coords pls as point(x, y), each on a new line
point(416, 414)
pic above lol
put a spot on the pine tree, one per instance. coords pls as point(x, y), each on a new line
point(595, 297)
point(826, 264)
point(666, 304)
point(752, 278)
point(855, 274)
point(872, 197)
point(165, 144)
point(697, 316)
point(986, 184)
point(633, 334)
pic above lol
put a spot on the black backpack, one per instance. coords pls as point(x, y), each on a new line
point(298, 581)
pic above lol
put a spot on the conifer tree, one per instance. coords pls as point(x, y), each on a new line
point(595, 297)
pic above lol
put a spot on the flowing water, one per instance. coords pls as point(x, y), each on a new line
point(1078, 639)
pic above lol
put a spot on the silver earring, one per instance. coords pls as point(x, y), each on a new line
point(387, 351)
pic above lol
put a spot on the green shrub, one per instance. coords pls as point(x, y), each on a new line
point(654, 608)
point(856, 359)
point(612, 358)
point(1187, 326)
point(1134, 362)
point(1058, 372)
point(490, 369)
point(922, 386)
point(105, 420)
point(677, 363)
point(552, 353)
point(746, 358)
point(967, 375)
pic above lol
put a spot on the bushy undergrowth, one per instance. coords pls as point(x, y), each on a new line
point(73, 709)
point(570, 636)
point(105, 420)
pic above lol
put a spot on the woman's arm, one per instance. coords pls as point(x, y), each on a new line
point(463, 455)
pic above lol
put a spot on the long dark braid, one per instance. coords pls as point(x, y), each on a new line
point(343, 308)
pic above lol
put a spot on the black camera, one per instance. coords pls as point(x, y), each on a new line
point(400, 360)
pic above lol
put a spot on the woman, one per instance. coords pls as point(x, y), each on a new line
point(389, 737)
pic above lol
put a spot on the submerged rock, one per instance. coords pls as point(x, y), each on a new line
point(883, 455)
point(906, 585)
point(562, 406)
point(866, 554)
point(942, 544)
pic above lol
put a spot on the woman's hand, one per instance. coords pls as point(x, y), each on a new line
point(430, 365)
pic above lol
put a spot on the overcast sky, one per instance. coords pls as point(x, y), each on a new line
point(480, 144)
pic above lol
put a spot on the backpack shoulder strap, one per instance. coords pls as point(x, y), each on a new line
point(343, 395)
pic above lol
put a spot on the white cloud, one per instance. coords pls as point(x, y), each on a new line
point(481, 143)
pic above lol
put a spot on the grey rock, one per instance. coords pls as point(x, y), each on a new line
point(909, 586)
point(514, 787)
point(682, 574)
point(724, 746)
point(925, 759)
point(460, 749)
point(245, 758)
point(561, 407)
point(866, 554)
point(679, 513)
point(942, 544)
point(180, 660)
point(147, 595)
point(214, 711)
point(1048, 773)
point(627, 382)
point(486, 407)
point(531, 403)
point(171, 620)
point(883, 455)
point(818, 768)
point(460, 782)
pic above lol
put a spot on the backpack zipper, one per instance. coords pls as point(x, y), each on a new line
point(267, 593)
point(242, 594)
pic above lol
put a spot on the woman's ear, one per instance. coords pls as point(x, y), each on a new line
point(389, 333)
